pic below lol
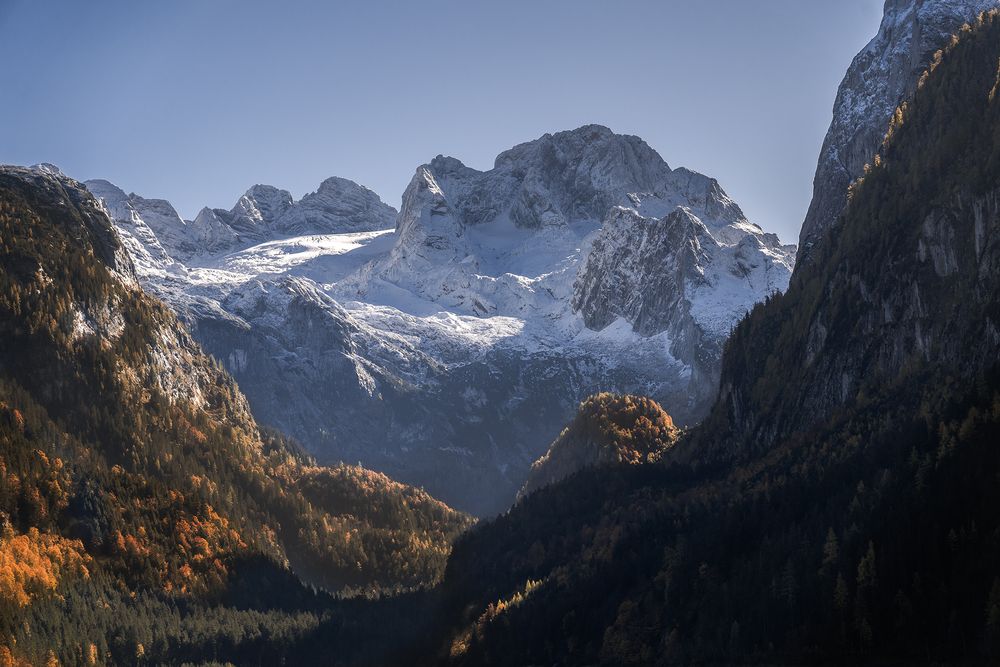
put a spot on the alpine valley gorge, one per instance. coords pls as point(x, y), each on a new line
point(576, 409)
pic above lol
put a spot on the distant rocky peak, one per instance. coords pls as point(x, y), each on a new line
point(705, 193)
point(47, 168)
point(163, 210)
point(209, 215)
point(151, 229)
point(342, 186)
point(565, 186)
point(445, 166)
point(160, 239)
point(123, 207)
point(263, 204)
point(339, 205)
point(584, 171)
point(703, 196)
point(591, 147)
point(114, 200)
point(104, 189)
point(555, 180)
point(426, 211)
point(579, 175)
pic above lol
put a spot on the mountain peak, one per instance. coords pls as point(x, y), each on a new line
point(263, 213)
point(261, 205)
point(622, 156)
point(338, 184)
point(444, 164)
point(47, 168)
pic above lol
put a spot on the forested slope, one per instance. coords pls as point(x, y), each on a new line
point(132, 476)
point(841, 503)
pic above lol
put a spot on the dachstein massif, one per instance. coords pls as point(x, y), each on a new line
point(262, 436)
point(447, 344)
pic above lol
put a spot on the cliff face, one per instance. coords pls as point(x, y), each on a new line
point(907, 285)
point(678, 275)
point(883, 75)
point(172, 362)
point(870, 328)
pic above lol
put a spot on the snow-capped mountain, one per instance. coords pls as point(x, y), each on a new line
point(463, 236)
point(884, 74)
point(338, 206)
point(450, 351)
point(160, 239)
point(679, 276)
point(583, 228)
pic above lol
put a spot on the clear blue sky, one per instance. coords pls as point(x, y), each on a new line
point(196, 100)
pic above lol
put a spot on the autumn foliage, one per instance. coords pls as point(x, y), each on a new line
point(131, 468)
point(34, 564)
point(608, 429)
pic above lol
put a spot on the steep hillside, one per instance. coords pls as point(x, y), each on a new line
point(130, 462)
point(607, 429)
point(851, 511)
point(882, 76)
point(905, 284)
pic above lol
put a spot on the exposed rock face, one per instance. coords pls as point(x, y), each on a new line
point(154, 233)
point(461, 232)
point(906, 293)
point(159, 238)
point(882, 76)
point(912, 318)
point(674, 275)
point(174, 363)
point(338, 206)
point(450, 352)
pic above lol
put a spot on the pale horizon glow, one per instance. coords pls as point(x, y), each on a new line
point(195, 101)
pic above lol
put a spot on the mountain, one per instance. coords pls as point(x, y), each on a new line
point(338, 206)
point(136, 484)
point(449, 352)
point(679, 276)
point(608, 429)
point(881, 77)
point(158, 238)
point(838, 505)
point(462, 233)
